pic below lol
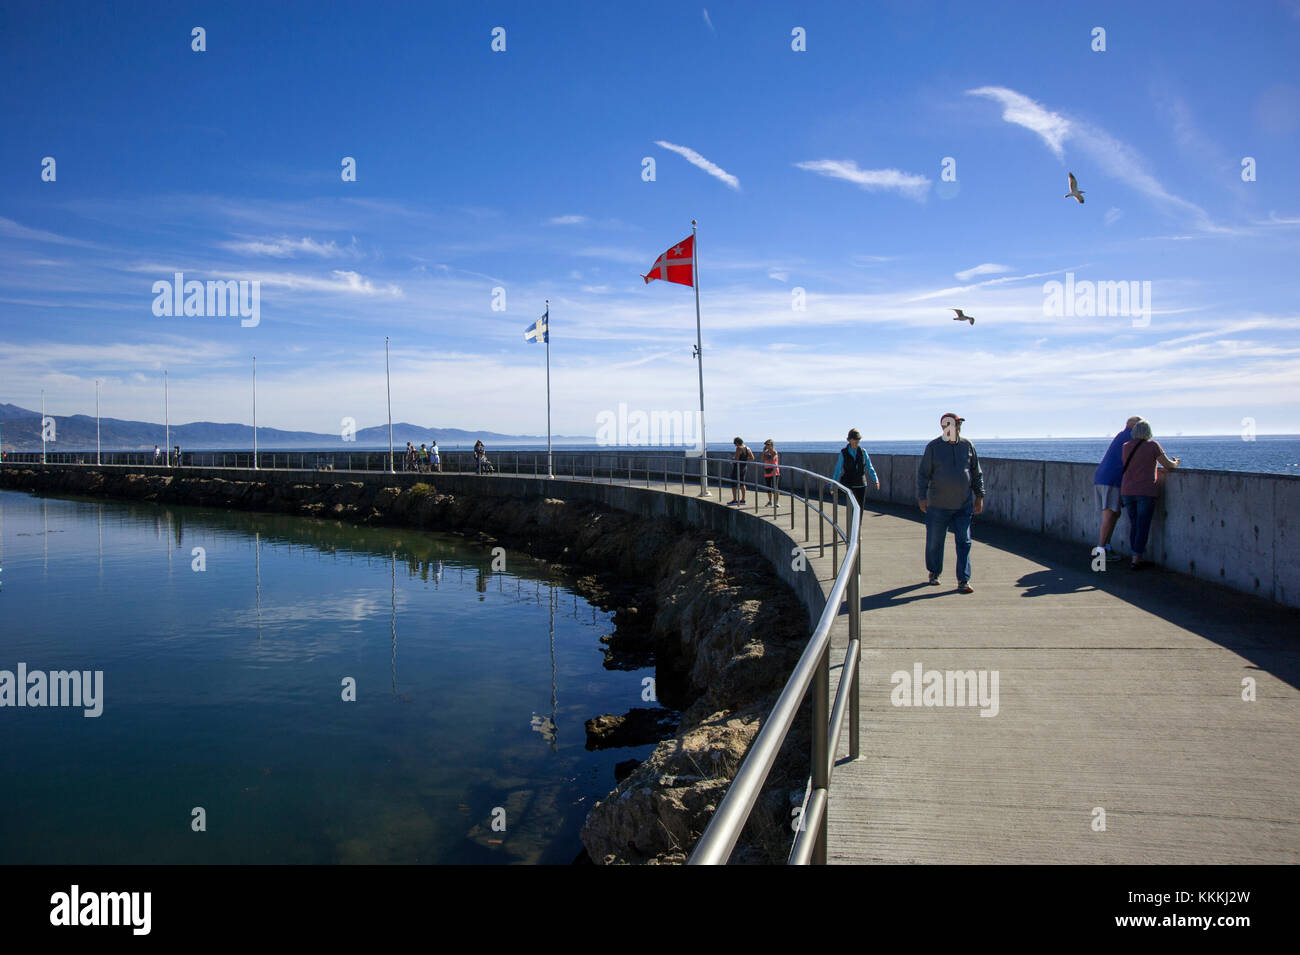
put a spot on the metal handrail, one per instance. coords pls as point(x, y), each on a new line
point(811, 672)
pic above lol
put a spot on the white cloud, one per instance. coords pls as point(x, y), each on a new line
point(695, 159)
point(910, 185)
point(284, 247)
point(566, 220)
point(1114, 156)
point(1023, 111)
point(988, 268)
point(708, 21)
point(341, 281)
point(1113, 215)
point(14, 230)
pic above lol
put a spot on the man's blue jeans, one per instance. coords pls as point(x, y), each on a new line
point(1140, 510)
point(937, 522)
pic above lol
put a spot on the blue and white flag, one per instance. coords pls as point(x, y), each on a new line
point(539, 331)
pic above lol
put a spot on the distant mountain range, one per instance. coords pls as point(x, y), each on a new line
point(20, 430)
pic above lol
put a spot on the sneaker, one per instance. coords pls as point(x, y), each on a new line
point(1135, 564)
point(1111, 555)
point(934, 580)
point(964, 587)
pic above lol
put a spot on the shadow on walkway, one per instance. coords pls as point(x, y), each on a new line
point(1265, 633)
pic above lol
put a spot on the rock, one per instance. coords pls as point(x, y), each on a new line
point(637, 727)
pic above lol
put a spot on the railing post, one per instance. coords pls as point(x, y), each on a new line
point(855, 633)
point(821, 519)
point(806, 506)
point(835, 532)
point(820, 759)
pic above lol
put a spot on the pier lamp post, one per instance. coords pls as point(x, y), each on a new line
point(254, 413)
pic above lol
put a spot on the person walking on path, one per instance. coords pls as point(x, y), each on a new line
point(1105, 485)
point(157, 455)
point(1139, 486)
point(480, 453)
point(949, 490)
point(771, 470)
point(852, 467)
point(742, 456)
point(435, 461)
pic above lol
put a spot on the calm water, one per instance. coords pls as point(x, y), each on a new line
point(222, 689)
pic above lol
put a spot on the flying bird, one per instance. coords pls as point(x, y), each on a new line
point(963, 317)
point(1075, 191)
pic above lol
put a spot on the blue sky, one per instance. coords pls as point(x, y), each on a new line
point(522, 170)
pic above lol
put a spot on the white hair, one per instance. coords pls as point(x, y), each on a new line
point(1142, 431)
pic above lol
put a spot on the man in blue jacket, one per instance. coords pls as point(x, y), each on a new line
point(1106, 484)
point(949, 489)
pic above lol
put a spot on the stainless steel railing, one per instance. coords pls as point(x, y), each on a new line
point(811, 673)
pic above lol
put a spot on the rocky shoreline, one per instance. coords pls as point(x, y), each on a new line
point(721, 630)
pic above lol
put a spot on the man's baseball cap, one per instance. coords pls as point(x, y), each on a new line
point(950, 414)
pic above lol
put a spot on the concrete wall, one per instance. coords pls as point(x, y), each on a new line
point(1230, 527)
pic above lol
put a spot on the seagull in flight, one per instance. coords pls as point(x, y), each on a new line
point(1075, 191)
point(963, 317)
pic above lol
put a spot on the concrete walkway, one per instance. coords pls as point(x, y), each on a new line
point(1118, 691)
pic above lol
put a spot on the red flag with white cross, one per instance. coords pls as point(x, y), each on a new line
point(675, 265)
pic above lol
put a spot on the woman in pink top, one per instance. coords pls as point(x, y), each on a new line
point(1138, 490)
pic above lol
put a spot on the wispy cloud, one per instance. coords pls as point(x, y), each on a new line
point(1112, 155)
point(709, 22)
point(695, 159)
point(909, 184)
point(1113, 215)
point(14, 230)
point(286, 248)
point(566, 220)
point(1023, 111)
point(988, 268)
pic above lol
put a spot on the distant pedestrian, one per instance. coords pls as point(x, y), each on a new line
point(949, 490)
point(423, 464)
point(480, 454)
point(157, 455)
point(176, 455)
point(1105, 485)
point(435, 460)
point(852, 467)
point(771, 470)
point(1139, 486)
point(739, 471)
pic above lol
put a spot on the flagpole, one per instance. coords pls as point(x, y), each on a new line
point(42, 426)
point(97, 460)
point(254, 414)
point(388, 378)
point(549, 472)
point(167, 422)
point(699, 357)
